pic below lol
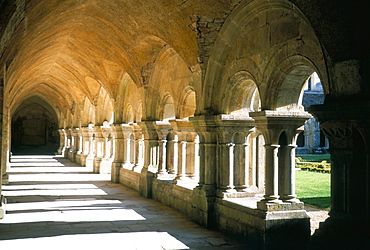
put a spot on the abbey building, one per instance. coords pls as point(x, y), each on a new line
point(196, 104)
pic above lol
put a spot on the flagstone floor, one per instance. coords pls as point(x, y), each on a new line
point(53, 203)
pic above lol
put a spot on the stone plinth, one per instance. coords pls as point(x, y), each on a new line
point(277, 228)
point(105, 166)
point(5, 179)
point(2, 206)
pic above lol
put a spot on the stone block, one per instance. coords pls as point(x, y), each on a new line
point(2, 206)
point(129, 179)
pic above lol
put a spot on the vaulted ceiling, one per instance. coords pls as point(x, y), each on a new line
point(65, 50)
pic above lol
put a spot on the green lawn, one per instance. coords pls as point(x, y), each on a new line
point(313, 188)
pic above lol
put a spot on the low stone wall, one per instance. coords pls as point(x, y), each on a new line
point(172, 195)
point(129, 179)
point(285, 224)
point(240, 220)
point(269, 230)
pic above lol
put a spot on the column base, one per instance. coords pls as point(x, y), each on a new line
point(279, 205)
point(146, 183)
point(89, 161)
point(203, 206)
point(2, 206)
point(5, 179)
point(165, 176)
point(78, 158)
point(96, 164)
point(341, 234)
point(184, 180)
point(115, 172)
point(234, 194)
point(105, 166)
point(286, 229)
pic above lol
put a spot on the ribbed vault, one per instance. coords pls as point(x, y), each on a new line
point(66, 48)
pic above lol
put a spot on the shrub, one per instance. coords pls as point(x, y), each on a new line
point(323, 166)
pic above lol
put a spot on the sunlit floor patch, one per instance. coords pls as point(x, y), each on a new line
point(34, 164)
point(68, 177)
point(70, 207)
point(74, 216)
point(70, 204)
point(57, 192)
point(49, 186)
point(127, 241)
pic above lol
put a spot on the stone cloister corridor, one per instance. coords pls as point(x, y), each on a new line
point(54, 203)
point(196, 104)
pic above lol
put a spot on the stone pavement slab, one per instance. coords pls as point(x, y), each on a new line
point(53, 203)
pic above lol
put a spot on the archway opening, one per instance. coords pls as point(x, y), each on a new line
point(168, 109)
point(34, 128)
point(312, 158)
point(312, 140)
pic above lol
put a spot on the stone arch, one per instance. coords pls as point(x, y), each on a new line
point(251, 40)
point(104, 107)
point(170, 75)
point(91, 115)
point(34, 127)
point(128, 95)
point(188, 103)
point(129, 114)
point(167, 109)
point(240, 95)
point(86, 117)
point(139, 112)
point(285, 84)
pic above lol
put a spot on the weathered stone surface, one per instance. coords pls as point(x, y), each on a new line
point(194, 103)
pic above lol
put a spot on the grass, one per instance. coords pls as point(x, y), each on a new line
point(313, 188)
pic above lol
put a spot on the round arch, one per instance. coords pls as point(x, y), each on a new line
point(170, 76)
point(285, 84)
point(251, 40)
point(240, 95)
point(34, 127)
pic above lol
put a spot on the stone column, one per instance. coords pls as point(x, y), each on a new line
point(5, 146)
point(139, 149)
point(276, 126)
point(204, 194)
point(348, 129)
point(288, 175)
point(2, 117)
point(62, 141)
point(91, 151)
point(150, 166)
point(127, 130)
point(106, 160)
point(79, 145)
point(233, 164)
point(192, 151)
point(162, 171)
point(163, 129)
point(242, 166)
point(118, 146)
point(75, 143)
point(85, 141)
point(172, 155)
point(271, 173)
point(181, 166)
point(226, 163)
point(187, 151)
point(70, 141)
